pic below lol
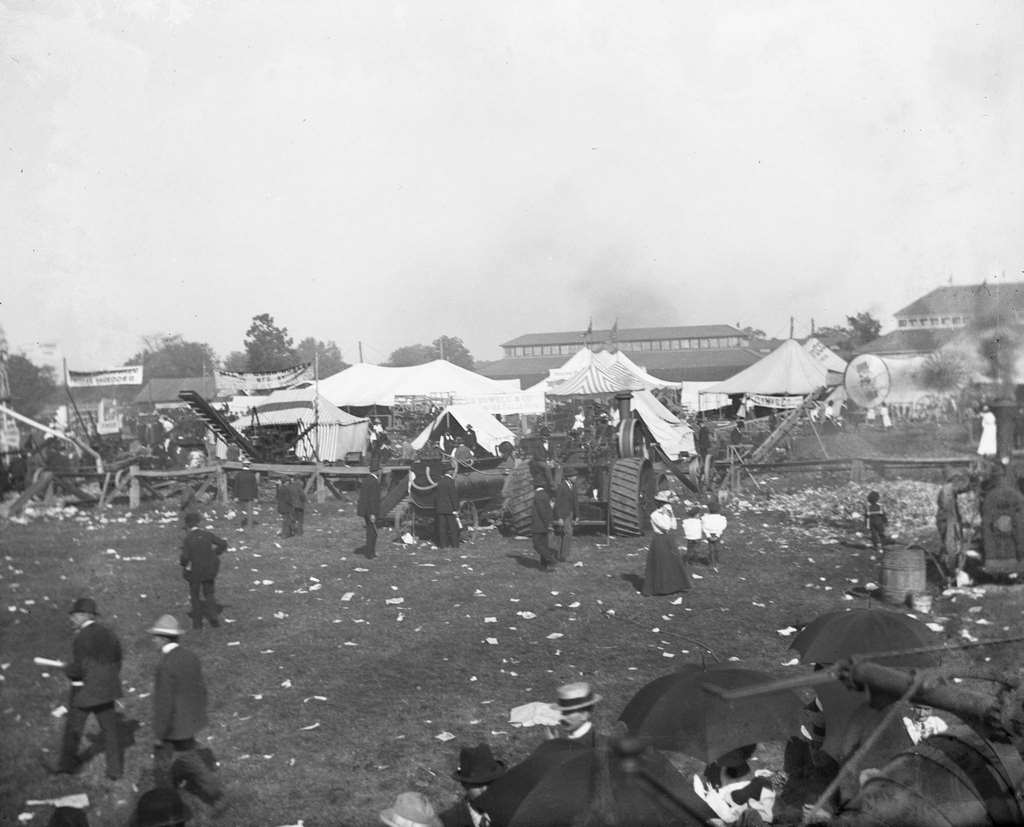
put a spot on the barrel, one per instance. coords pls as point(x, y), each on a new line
point(903, 573)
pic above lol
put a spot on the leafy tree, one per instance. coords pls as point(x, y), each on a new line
point(237, 361)
point(31, 386)
point(865, 328)
point(268, 346)
point(410, 355)
point(329, 353)
point(945, 371)
point(752, 332)
point(453, 350)
point(169, 356)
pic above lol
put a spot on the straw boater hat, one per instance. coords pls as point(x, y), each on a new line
point(574, 696)
point(410, 810)
point(478, 766)
point(166, 625)
point(84, 605)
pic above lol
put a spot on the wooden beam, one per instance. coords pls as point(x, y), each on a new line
point(38, 487)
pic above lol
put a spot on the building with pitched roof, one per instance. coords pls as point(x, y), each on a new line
point(693, 353)
point(959, 305)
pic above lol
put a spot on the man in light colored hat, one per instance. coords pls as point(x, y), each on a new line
point(179, 713)
point(95, 674)
point(477, 769)
point(411, 810)
point(576, 702)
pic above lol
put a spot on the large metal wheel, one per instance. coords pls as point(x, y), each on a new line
point(631, 439)
point(517, 506)
point(631, 496)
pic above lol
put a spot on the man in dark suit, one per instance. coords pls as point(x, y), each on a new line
point(298, 499)
point(247, 492)
point(542, 459)
point(95, 674)
point(179, 713)
point(540, 526)
point(477, 769)
point(200, 560)
point(576, 702)
point(368, 507)
point(566, 512)
point(446, 506)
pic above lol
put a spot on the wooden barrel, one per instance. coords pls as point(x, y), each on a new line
point(903, 573)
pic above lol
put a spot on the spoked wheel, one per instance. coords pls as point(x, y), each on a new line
point(631, 494)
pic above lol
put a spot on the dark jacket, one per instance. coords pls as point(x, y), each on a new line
point(179, 696)
point(457, 815)
point(369, 497)
point(200, 554)
point(246, 485)
point(446, 500)
point(284, 499)
point(96, 662)
point(542, 512)
point(565, 501)
point(298, 495)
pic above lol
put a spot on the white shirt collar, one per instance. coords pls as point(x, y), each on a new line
point(167, 647)
point(581, 730)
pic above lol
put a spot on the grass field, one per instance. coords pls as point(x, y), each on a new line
point(324, 706)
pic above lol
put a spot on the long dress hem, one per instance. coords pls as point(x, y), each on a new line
point(665, 572)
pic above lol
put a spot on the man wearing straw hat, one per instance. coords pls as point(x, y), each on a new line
point(95, 674)
point(576, 702)
point(179, 713)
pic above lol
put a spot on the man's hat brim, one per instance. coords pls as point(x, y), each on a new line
point(484, 777)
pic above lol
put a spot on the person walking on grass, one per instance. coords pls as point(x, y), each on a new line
point(665, 572)
point(95, 674)
point(200, 563)
point(368, 507)
point(540, 526)
point(179, 714)
point(285, 508)
point(713, 523)
point(566, 513)
point(247, 492)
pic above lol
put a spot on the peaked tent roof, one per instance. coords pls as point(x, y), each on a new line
point(362, 384)
point(787, 370)
point(824, 354)
point(294, 405)
point(587, 373)
point(489, 432)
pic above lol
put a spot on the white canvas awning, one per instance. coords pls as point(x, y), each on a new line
point(489, 432)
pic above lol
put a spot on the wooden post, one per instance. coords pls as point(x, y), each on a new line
point(222, 486)
point(857, 471)
point(134, 494)
point(320, 489)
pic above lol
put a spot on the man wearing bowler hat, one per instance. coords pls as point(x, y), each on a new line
point(477, 768)
point(200, 562)
point(95, 674)
point(576, 702)
point(179, 713)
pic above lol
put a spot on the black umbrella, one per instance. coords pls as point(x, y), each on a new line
point(836, 635)
point(562, 784)
point(679, 712)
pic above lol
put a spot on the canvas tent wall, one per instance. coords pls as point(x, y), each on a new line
point(669, 431)
point(789, 370)
point(489, 432)
point(369, 385)
point(337, 433)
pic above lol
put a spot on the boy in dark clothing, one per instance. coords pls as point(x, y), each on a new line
point(298, 499)
point(876, 520)
point(285, 508)
point(200, 562)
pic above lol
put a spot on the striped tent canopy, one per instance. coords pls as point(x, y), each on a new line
point(604, 373)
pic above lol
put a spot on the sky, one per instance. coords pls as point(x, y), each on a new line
point(388, 172)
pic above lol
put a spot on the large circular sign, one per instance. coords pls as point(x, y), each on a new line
point(867, 380)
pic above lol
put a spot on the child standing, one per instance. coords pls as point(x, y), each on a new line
point(876, 519)
point(693, 532)
point(713, 524)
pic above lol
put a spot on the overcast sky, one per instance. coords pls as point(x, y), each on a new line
point(391, 171)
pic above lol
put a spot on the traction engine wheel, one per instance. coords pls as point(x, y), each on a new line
point(518, 500)
point(630, 496)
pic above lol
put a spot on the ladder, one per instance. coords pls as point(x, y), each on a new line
point(787, 425)
point(216, 422)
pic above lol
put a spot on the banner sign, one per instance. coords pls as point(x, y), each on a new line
point(235, 383)
point(531, 402)
point(131, 375)
point(783, 402)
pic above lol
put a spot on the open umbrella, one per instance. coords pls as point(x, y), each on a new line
point(836, 635)
point(561, 783)
point(678, 712)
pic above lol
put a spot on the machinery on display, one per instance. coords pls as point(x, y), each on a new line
point(619, 470)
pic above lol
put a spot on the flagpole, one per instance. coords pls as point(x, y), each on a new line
point(316, 406)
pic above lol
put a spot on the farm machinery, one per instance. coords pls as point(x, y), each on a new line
point(619, 470)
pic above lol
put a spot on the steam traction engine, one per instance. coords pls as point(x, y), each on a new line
point(1002, 501)
point(619, 470)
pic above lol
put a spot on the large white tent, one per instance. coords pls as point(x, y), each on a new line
point(789, 370)
point(587, 373)
point(489, 432)
point(365, 385)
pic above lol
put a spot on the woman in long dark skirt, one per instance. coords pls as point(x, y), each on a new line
point(665, 573)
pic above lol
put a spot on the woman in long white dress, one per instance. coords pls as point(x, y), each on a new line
point(987, 443)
